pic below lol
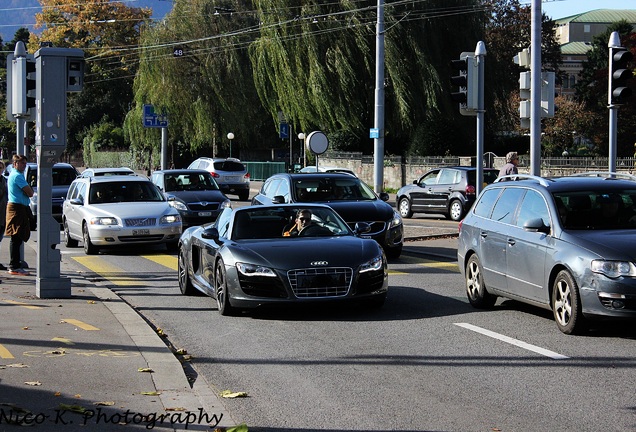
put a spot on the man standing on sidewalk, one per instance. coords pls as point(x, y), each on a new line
point(18, 213)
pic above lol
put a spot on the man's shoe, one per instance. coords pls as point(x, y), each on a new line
point(18, 272)
point(2, 267)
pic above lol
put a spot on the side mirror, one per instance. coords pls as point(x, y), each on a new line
point(361, 228)
point(536, 225)
point(278, 199)
point(210, 233)
point(76, 202)
point(384, 196)
point(415, 181)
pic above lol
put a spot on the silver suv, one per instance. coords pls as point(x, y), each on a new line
point(562, 243)
point(230, 174)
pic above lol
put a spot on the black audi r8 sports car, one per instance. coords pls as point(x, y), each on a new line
point(253, 256)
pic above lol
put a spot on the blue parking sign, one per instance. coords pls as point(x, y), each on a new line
point(284, 130)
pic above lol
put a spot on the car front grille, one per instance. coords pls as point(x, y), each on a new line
point(139, 222)
point(141, 238)
point(320, 282)
point(203, 206)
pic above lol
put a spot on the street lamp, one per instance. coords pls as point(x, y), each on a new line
point(301, 137)
point(230, 136)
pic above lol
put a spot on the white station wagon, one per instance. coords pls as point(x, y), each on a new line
point(118, 210)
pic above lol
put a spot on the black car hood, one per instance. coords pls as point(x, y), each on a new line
point(362, 211)
point(290, 253)
point(199, 195)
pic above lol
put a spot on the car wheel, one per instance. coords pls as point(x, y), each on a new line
point(220, 288)
point(405, 208)
point(244, 196)
point(68, 241)
point(456, 210)
point(478, 296)
point(185, 285)
point(566, 304)
point(89, 247)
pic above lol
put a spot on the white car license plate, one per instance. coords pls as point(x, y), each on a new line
point(141, 232)
point(231, 179)
point(205, 214)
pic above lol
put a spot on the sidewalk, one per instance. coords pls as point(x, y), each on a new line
point(90, 362)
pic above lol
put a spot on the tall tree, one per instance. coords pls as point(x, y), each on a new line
point(108, 32)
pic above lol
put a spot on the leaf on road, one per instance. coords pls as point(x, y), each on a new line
point(239, 428)
point(151, 393)
point(90, 301)
point(63, 340)
point(78, 396)
point(25, 328)
point(230, 394)
point(145, 370)
point(73, 408)
point(181, 351)
point(17, 365)
point(58, 394)
point(33, 383)
point(109, 403)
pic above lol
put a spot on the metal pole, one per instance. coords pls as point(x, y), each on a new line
point(19, 135)
point(378, 147)
point(164, 148)
point(291, 150)
point(535, 90)
point(480, 55)
point(614, 42)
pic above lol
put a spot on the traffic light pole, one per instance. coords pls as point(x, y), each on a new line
point(480, 54)
point(617, 90)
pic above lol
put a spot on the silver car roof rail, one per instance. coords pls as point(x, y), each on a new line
point(541, 180)
point(605, 174)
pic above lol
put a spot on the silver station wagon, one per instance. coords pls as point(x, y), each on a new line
point(118, 210)
point(567, 244)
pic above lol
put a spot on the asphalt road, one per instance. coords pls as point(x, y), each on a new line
point(426, 361)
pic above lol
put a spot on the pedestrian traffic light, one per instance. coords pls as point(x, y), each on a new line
point(619, 76)
point(467, 79)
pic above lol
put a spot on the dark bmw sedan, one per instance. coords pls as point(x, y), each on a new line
point(194, 193)
point(350, 197)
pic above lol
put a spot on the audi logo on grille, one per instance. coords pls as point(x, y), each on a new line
point(319, 263)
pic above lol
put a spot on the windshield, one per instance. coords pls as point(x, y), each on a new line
point(332, 189)
point(189, 182)
point(114, 192)
point(597, 209)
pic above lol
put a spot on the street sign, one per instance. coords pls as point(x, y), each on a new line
point(374, 133)
point(284, 130)
point(151, 119)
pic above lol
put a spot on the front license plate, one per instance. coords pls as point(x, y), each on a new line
point(205, 214)
point(141, 232)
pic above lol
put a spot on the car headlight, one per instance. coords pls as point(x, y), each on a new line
point(613, 269)
point(169, 219)
point(396, 220)
point(225, 204)
point(178, 205)
point(373, 265)
point(106, 220)
point(254, 270)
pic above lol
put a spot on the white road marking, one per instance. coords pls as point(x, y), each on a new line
point(516, 342)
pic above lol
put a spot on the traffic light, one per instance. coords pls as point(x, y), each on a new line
point(467, 79)
point(23, 83)
point(547, 94)
point(619, 76)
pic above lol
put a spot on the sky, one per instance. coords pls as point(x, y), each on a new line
point(557, 9)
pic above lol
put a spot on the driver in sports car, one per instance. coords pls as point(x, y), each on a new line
point(304, 226)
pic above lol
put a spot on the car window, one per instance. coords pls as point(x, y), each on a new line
point(222, 222)
point(228, 166)
point(332, 189)
point(533, 206)
point(489, 176)
point(63, 176)
point(506, 204)
point(71, 191)
point(113, 192)
point(486, 202)
point(283, 190)
point(597, 209)
point(32, 177)
point(81, 191)
point(270, 187)
point(429, 179)
point(449, 176)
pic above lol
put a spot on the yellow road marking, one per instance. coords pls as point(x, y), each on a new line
point(4, 353)
point(80, 324)
point(113, 273)
point(63, 340)
point(165, 260)
point(396, 272)
point(25, 305)
point(443, 265)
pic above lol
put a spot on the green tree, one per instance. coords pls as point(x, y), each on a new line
point(108, 32)
point(591, 89)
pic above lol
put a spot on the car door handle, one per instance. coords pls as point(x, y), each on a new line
point(511, 242)
point(483, 234)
